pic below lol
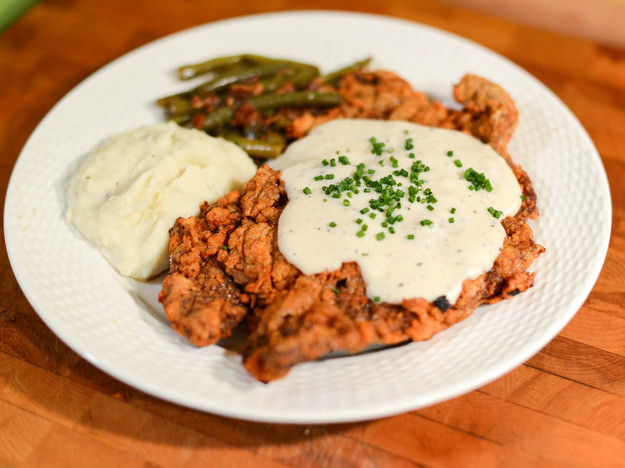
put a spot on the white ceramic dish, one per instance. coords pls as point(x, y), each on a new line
point(118, 325)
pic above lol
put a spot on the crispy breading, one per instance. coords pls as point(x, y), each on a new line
point(227, 261)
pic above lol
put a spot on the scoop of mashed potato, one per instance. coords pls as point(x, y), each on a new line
point(129, 191)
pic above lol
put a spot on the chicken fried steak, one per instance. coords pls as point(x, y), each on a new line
point(226, 265)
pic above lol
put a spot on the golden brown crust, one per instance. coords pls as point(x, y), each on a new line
point(294, 317)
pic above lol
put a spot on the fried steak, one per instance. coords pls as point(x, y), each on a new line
point(225, 265)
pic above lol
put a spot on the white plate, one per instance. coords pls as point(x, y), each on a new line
point(118, 325)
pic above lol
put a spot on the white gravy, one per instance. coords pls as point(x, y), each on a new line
point(318, 232)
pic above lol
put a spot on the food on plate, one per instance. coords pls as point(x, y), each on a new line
point(227, 265)
point(254, 100)
point(128, 192)
point(400, 199)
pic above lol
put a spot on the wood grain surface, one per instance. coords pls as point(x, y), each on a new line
point(564, 407)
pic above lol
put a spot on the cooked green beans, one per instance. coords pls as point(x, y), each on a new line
point(218, 118)
point(297, 98)
point(222, 115)
point(257, 148)
point(336, 75)
point(239, 76)
point(186, 72)
point(254, 100)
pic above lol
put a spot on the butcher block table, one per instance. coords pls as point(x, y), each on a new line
point(565, 406)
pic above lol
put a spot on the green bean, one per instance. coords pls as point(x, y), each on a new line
point(235, 75)
point(257, 148)
point(184, 120)
point(217, 118)
point(335, 75)
point(187, 72)
point(301, 77)
point(238, 75)
point(178, 106)
point(297, 98)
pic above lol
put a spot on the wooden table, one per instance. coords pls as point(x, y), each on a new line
point(564, 407)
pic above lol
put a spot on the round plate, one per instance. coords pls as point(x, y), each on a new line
point(118, 325)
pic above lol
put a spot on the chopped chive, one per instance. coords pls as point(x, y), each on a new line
point(376, 299)
point(450, 153)
point(332, 224)
point(496, 213)
point(329, 176)
point(379, 236)
point(452, 211)
point(451, 220)
point(409, 144)
point(410, 236)
point(319, 177)
point(307, 191)
point(425, 222)
point(457, 163)
point(376, 146)
point(346, 202)
point(359, 221)
point(325, 162)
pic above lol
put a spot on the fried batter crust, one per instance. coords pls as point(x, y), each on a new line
point(226, 262)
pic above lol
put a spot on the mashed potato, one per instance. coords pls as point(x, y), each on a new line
point(129, 191)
